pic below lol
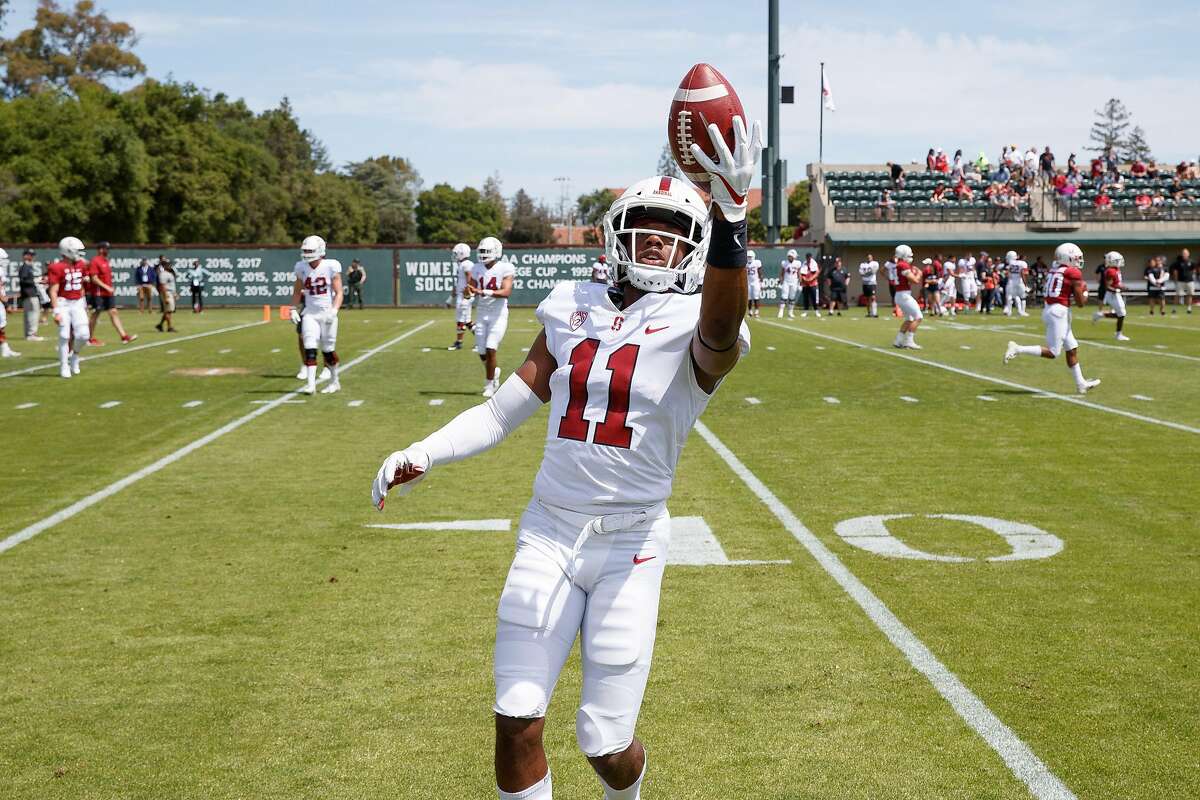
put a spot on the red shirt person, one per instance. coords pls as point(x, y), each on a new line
point(100, 280)
point(65, 280)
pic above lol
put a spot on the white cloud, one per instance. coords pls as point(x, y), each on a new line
point(161, 25)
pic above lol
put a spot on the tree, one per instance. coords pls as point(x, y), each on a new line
point(666, 164)
point(493, 193)
point(1109, 128)
point(799, 206)
point(392, 184)
point(592, 207)
point(529, 222)
point(68, 50)
point(1136, 147)
point(445, 214)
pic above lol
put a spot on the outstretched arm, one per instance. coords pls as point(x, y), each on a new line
point(474, 431)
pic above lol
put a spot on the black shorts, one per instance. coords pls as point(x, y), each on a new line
point(838, 296)
point(90, 300)
point(868, 289)
point(1155, 293)
point(102, 302)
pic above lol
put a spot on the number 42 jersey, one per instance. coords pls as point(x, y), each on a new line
point(623, 399)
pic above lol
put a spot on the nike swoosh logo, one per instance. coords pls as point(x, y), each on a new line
point(637, 560)
point(650, 330)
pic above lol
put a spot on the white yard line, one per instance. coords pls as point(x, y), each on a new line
point(986, 398)
point(193, 403)
point(1017, 755)
point(1182, 327)
point(24, 406)
point(833, 401)
point(1075, 400)
point(125, 350)
point(65, 514)
point(456, 525)
point(908, 399)
point(355, 403)
point(111, 404)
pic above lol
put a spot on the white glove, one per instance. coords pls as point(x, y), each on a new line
point(403, 469)
point(732, 175)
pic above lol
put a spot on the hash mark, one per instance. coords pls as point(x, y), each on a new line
point(754, 401)
point(111, 404)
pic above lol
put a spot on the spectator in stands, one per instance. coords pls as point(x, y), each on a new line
point(886, 207)
point(1059, 183)
point(1072, 167)
point(1110, 159)
point(982, 166)
point(1191, 173)
point(1152, 169)
point(1143, 202)
point(930, 160)
point(1156, 285)
point(1159, 199)
point(1029, 164)
point(1138, 168)
point(1184, 273)
point(1046, 164)
point(938, 196)
point(1103, 203)
point(897, 172)
point(1002, 174)
point(1181, 169)
point(956, 166)
point(1097, 168)
point(963, 191)
point(1177, 191)
point(941, 163)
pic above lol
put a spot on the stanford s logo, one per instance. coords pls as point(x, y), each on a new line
point(577, 319)
point(617, 323)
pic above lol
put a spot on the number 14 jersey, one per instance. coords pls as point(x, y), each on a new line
point(623, 399)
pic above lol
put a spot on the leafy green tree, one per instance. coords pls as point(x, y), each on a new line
point(69, 49)
point(1136, 147)
point(592, 207)
point(447, 215)
point(392, 184)
point(529, 222)
point(799, 208)
point(493, 193)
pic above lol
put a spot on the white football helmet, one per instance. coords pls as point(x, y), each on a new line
point(461, 252)
point(671, 200)
point(70, 247)
point(1068, 255)
point(1010, 257)
point(312, 249)
point(490, 250)
point(1114, 259)
point(903, 253)
point(750, 256)
point(792, 255)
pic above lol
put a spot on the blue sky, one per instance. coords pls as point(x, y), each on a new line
point(541, 90)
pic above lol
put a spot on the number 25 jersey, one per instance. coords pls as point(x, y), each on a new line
point(623, 399)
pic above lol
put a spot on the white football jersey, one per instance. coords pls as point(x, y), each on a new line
point(869, 271)
point(1016, 270)
point(318, 282)
point(890, 268)
point(623, 399)
point(599, 272)
point(462, 271)
point(753, 272)
point(491, 278)
point(791, 270)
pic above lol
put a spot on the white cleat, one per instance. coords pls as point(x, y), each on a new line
point(1097, 316)
point(8, 352)
point(1024, 313)
point(1011, 352)
point(325, 374)
point(301, 375)
point(332, 388)
point(780, 314)
point(489, 388)
point(1089, 385)
point(913, 346)
point(791, 315)
point(75, 368)
point(64, 371)
point(1122, 337)
point(306, 389)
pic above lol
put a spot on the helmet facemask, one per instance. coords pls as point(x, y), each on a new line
point(684, 248)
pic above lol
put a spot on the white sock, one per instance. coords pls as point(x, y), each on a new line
point(63, 352)
point(539, 791)
point(874, 308)
point(1029, 350)
point(632, 792)
point(333, 370)
point(1077, 371)
point(310, 375)
point(908, 337)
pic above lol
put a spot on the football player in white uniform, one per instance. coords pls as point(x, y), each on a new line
point(868, 271)
point(626, 371)
point(5, 350)
point(319, 283)
point(753, 283)
point(789, 283)
point(1015, 291)
point(461, 255)
point(600, 270)
point(970, 285)
point(491, 283)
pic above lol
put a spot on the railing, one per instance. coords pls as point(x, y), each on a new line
point(932, 213)
point(1046, 208)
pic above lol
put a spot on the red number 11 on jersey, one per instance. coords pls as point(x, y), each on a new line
point(612, 431)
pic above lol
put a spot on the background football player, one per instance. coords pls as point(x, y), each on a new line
point(626, 372)
point(908, 278)
point(66, 279)
point(491, 283)
point(319, 283)
point(1015, 290)
point(461, 256)
point(753, 283)
point(868, 272)
point(600, 272)
point(1064, 283)
point(1114, 297)
point(5, 350)
point(789, 283)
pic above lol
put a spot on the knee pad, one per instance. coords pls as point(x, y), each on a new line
point(521, 673)
point(331, 358)
point(602, 734)
point(310, 356)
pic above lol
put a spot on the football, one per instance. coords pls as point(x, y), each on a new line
point(704, 97)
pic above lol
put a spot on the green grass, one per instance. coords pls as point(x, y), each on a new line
point(227, 627)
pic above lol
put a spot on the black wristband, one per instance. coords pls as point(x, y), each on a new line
point(727, 244)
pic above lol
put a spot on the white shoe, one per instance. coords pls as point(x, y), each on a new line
point(803, 315)
point(1122, 337)
point(35, 338)
point(8, 352)
point(301, 375)
point(489, 388)
point(306, 389)
point(1008, 312)
point(913, 346)
point(331, 388)
point(325, 374)
point(1011, 352)
point(1089, 385)
point(1097, 316)
point(780, 314)
point(64, 371)
point(1023, 313)
point(75, 368)
point(818, 313)
point(791, 315)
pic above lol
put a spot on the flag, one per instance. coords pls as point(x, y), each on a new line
point(826, 92)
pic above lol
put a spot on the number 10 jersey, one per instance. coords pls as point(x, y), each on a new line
point(623, 399)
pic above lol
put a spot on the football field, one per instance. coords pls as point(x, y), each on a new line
point(894, 574)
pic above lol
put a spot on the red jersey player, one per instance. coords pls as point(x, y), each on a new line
point(101, 280)
point(908, 278)
point(66, 279)
point(1113, 298)
point(1064, 283)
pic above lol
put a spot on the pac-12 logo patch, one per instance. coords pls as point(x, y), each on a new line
point(577, 319)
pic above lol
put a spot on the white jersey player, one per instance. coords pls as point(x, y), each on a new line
point(868, 273)
point(1064, 284)
point(970, 283)
point(789, 283)
point(461, 256)
point(491, 283)
point(318, 285)
point(626, 372)
point(600, 270)
point(1015, 290)
point(5, 350)
point(753, 283)
point(948, 292)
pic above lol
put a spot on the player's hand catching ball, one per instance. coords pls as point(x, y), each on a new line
point(733, 172)
point(403, 470)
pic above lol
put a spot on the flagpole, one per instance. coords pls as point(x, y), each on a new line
point(821, 128)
